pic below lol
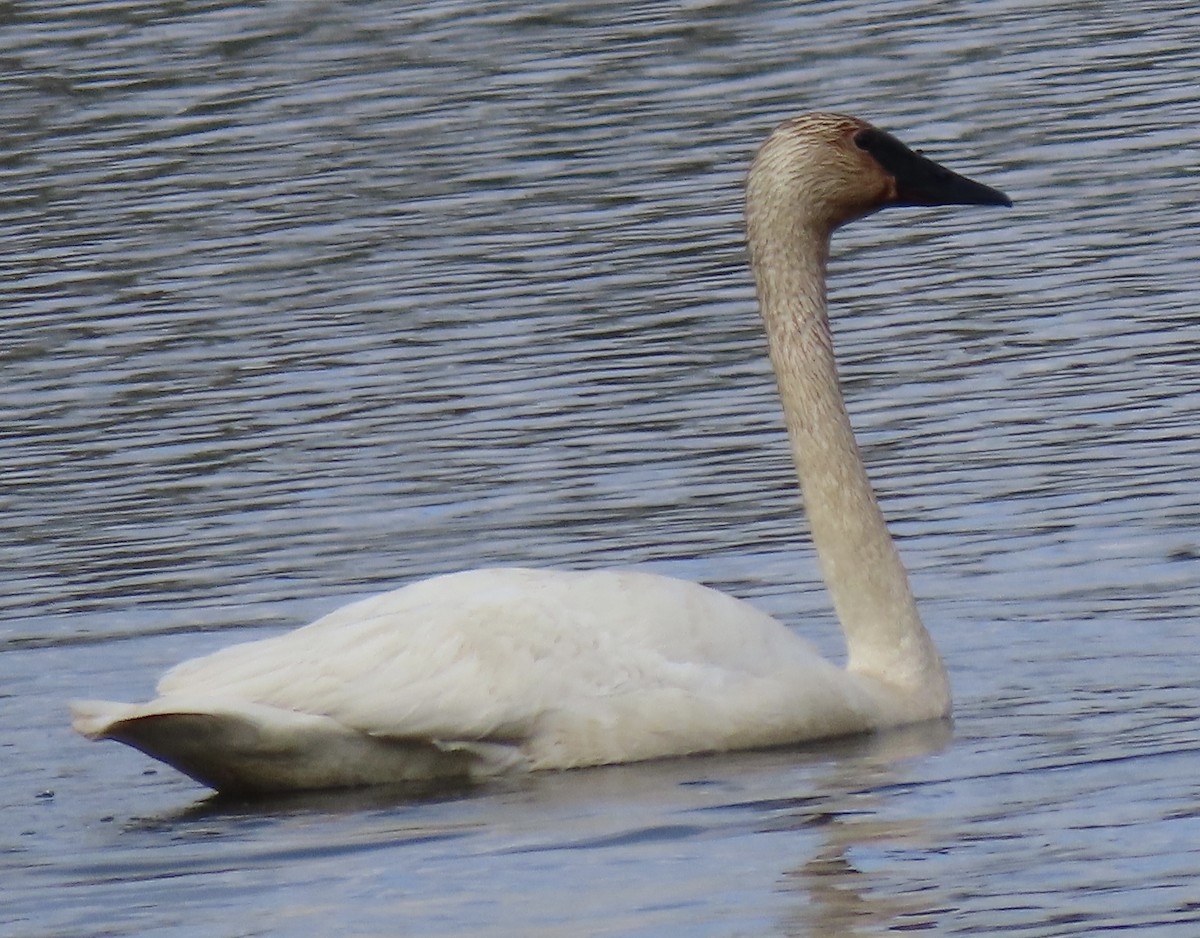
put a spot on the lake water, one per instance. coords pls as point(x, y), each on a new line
point(302, 301)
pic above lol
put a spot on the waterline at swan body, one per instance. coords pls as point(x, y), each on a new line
point(500, 670)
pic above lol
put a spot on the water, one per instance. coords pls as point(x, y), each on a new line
point(303, 301)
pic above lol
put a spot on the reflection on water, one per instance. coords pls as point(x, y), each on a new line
point(546, 837)
point(304, 301)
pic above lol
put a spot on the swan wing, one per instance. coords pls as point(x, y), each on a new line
point(573, 666)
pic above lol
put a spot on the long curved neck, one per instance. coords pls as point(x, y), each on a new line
point(862, 569)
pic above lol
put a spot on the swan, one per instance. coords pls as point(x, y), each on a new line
point(500, 670)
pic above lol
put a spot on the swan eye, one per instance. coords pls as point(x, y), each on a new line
point(875, 141)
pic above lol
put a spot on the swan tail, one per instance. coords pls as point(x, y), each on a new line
point(92, 718)
point(253, 748)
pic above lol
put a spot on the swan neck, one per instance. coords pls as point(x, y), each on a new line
point(861, 567)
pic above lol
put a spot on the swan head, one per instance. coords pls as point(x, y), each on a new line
point(828, 169)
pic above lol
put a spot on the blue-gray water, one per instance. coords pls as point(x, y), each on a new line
point(306, 300)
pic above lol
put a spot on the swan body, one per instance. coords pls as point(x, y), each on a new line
point(489, 671)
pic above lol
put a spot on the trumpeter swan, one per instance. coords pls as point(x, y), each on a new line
point(487, 671)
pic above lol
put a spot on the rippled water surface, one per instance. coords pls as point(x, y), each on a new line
point(306, 300)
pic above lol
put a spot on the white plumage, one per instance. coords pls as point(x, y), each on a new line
point(490, 671)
